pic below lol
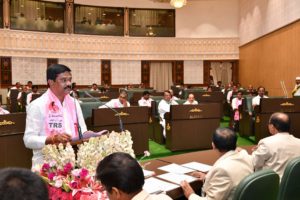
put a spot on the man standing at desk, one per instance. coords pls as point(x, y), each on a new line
point(227, 172)
point(55, 117)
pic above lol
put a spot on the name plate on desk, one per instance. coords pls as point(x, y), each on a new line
point(270, 105)
point(12, 123)
point(205, 110)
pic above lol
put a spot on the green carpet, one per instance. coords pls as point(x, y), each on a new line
point(158, 150)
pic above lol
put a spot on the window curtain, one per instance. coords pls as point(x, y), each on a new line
point(221, 71)
point(160, 75)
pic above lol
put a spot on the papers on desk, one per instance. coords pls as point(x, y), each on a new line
point(198, 166)
point(148, 173)
point(177, 178)
point(153, 186)
point(177, 169)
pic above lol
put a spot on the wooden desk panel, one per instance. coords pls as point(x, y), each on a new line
point(12, 148)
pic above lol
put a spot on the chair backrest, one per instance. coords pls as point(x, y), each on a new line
point(290, 182)
point(261, 185)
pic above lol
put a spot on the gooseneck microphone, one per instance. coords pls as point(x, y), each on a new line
point(78, 125)
point(104, 104)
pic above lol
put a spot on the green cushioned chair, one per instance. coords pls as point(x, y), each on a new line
point(261, 185)
point(290, 182)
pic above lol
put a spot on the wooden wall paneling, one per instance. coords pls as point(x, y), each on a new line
point(206, 72)
point(271, 59)
point(177, 72)
point(5, 72)
point(51, 61)
point(145, 73)
point(106, 72)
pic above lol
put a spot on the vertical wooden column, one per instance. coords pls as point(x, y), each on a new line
point(126, 21)
point(69, 16)
point(106, 72)
point(51, 61)
point(206, 72)
point(5, 72)
point(145, 76)
point(177, 72)
point(6, 14)
point(235, 71)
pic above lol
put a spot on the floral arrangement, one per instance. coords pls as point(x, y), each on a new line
point(71, 178)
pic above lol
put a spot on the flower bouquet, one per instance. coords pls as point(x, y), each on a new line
point(70, 177)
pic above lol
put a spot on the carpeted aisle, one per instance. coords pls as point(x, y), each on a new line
point(157, 150)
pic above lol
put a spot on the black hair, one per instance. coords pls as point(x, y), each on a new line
point(280, 123)
point(55, 69)
point(18, 183)
point(261, 87)
point(121, 171)
point(34, 86)
point(224, 139)
point(146, 92)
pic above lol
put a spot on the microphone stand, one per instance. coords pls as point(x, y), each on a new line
point(78, 125)
point(114, 110)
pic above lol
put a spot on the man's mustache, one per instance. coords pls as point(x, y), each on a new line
point(68, 87)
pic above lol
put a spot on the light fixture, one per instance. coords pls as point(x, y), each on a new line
point(178, 3)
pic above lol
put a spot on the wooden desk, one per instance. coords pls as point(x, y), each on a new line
point(207, 157)
point(12, 148)
point(191, 126)
point(268, 106)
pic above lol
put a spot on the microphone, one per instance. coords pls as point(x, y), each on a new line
point(78, 125)
point(114, 110)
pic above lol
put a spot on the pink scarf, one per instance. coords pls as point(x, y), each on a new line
point(237, 113)
point(54, 121)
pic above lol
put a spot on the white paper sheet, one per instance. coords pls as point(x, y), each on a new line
point(153, 185)
point(148, 173)
point(198, 166)
point(177, 178)
point(176, 169)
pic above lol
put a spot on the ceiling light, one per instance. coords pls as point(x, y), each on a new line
point(178, 3)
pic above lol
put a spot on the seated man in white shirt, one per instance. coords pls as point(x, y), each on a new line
point(145, 100)
point(119, 102)
point(173, 96)
point(164, 106)
point(29, 96)
point(94, 88)
point(274, 152)
point(3, 111)
point(123, 178)
point(227, 172)
point(261, 94)
point(191, 100)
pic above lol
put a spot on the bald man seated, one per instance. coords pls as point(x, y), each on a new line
point(275, 151)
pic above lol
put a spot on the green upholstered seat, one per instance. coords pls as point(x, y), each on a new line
point(290, 182)
point(261, 185)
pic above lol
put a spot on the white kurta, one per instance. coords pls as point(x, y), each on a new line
point(164, 107)
point(144, 102)
point(188, 103)
point(35, 133)
point(275, 151)
point(297, 93)
point(3, 111)
point(256, 100)
point(114, 103)
point(227, 172)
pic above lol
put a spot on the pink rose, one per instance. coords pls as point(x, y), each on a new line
point(84, 172)
point(51, 176)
